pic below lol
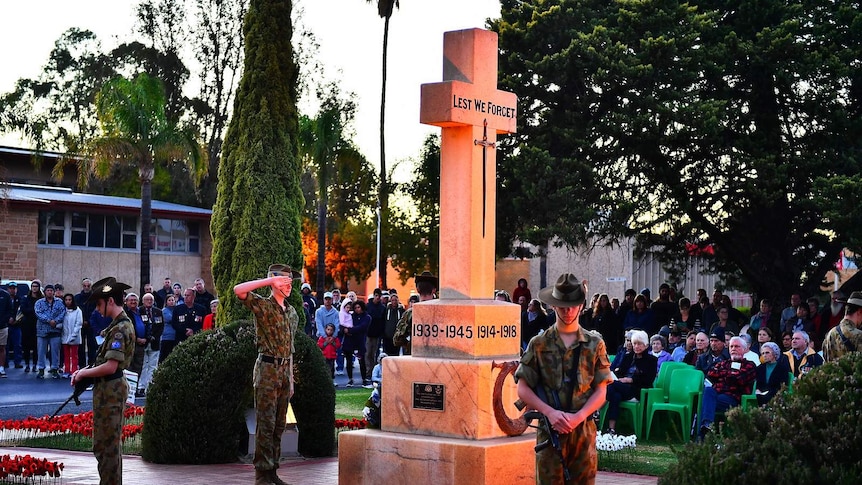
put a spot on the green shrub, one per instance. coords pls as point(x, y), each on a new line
point(313, 399)
point(196, 403)
point(812, 436)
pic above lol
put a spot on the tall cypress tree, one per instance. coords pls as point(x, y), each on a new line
point(256, 219)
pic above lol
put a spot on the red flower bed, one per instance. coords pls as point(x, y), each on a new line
point(26, 467)
point(350, 424)
point(71, 423)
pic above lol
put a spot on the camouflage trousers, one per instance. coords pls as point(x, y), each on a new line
point(579, 453)
point(271, 395)
point(109, 401)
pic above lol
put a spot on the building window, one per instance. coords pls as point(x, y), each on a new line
point(52, 227)
point(116, 232)
point(177, 236)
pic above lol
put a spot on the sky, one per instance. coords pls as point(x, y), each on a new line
point(349, 33)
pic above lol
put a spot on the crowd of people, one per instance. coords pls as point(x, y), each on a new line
point(52, 334)
point(351, 332)
point(737, 353)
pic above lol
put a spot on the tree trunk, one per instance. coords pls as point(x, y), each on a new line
point(383, 191)
point(320, 282)
point(146, 174)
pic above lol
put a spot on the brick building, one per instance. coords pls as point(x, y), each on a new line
point(57, 235)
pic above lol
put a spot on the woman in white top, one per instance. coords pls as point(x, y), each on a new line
point(71, 339)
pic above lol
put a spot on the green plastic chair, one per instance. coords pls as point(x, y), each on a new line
point(635, 408)
point(749, 400)
point(686, 385)
point(660, 391)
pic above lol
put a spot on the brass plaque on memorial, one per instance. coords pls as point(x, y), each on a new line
point(428, 397)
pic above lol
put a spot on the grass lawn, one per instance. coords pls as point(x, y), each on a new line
point(349, 402)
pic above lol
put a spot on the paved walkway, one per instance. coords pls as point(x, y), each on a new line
point(80, 469)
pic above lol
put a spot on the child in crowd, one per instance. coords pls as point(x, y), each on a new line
point(329, 344)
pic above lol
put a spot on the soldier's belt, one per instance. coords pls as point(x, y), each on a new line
point(272, 360)
point(115, 375)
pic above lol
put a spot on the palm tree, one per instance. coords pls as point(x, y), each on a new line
point(384, 10)
point(322, 144)
point(135, 131)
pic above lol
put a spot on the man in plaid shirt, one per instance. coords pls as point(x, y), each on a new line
point(730, 380)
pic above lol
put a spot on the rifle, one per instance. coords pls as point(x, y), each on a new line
point(553, 439)
point(554, 402)
point(80, 387)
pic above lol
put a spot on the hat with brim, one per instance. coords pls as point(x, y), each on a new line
point(106, 288)
point(568, 291)
point(855, 298)
point(426, 277)
point(282, 270)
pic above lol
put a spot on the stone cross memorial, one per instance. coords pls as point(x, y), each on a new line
point(447, 410)
point(471, 111)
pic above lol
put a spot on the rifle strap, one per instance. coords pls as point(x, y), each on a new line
point(574, 375)
point(847, 343)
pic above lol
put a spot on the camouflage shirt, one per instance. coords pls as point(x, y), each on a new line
point(403, 331)
point(833, 344)
point(547, 361)
point(119, 343)
point(274, 326)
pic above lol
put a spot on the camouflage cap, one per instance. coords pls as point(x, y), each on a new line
point(282, 270)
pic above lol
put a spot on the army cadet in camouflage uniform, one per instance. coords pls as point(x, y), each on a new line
point(548, 362)
point(846, 337)
point(276, 322)
point(110, 389)
point(426, 286)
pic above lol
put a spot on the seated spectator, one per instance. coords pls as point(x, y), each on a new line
point(658, 345)
point(640, 316)
point(625, 348)
point(801, 357)
point(685, 318)
point(772, 374)
point(717, 351)
point(675, 340)
point(786, 340)
point(749, 355)
point(637, 371)
point(701, 346)
point(688, 345)
point(802, 321)
point(765, 318)
point(729, 380)
point(724, 321)
point(502, 295)
point(763, 335)
point(735, 315)
point(533, 321)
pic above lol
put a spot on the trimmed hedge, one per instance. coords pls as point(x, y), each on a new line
point(196, 403)
point(313, 399)
point(812, 436)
